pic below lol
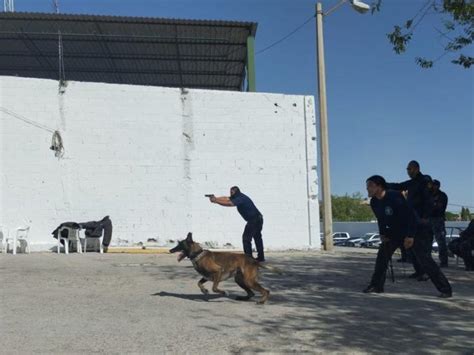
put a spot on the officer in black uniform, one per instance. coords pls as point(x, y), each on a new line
point(398, 226)
point(420, 199)
point(438, 217)
point(464, 245)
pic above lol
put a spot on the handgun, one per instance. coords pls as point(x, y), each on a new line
point(209, 195)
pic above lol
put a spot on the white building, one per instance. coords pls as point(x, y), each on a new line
point(147, 154)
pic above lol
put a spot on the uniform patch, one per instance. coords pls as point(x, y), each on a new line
point(388, 211)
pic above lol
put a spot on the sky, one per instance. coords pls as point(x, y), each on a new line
point(383, 109)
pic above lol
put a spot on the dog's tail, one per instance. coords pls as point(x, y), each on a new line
point(270, 268)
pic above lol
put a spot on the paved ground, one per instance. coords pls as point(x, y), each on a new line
point(131, 303)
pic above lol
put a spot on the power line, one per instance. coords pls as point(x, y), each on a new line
point(272, 44)
point(286, 36)
point(26, 120)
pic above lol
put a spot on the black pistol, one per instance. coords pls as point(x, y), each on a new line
point(209, 195)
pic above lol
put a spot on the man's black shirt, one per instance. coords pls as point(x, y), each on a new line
point(440, 202)
point(245, 206)
point(419, 196)
point(394, 217)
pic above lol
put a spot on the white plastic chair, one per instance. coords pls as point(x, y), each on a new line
point(73, 236)
point(21, 236)
point(101, 248)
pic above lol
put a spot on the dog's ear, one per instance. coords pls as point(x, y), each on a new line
point(189, 238)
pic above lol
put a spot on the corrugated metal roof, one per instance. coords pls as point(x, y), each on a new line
point(127, 50)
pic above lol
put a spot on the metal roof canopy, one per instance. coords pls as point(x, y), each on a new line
point(128, 50)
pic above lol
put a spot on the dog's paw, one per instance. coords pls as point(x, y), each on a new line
point(205, 291)
point(260, 303)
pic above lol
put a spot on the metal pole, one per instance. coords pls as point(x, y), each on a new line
point(323, 119)
point(8, 6)
point(252, 85)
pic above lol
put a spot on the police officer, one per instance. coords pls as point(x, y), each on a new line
point(420, 199)
point(438, 217)
point(397, 226)
point(250, 213)
point(464, 245)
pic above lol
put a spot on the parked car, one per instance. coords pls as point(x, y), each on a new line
point(371, 241)
point(449, 238)
point(340, 238)
point(357, 241)
point(337, 238)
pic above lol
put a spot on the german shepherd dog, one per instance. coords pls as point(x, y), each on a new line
point(219, 266)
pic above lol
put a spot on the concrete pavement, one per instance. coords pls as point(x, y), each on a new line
point(132, 303)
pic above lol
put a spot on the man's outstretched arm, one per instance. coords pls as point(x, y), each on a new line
point(223, 201)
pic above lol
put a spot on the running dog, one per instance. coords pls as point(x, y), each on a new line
point(219, 266)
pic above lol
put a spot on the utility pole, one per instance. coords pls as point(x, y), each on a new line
point(323, 119)
point(56, 6)
point(362, 8)
point(8, 6)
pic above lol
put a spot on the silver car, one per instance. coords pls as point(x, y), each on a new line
point(371, 240)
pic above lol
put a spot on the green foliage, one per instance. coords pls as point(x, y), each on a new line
point(350, 208)
point(465, 214)
point(466, 62)
point(355, 208)
point(450, 216)
point(399, 40)
point(457, 17)
point(424, 63)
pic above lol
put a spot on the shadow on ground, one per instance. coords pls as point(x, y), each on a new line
point(191, 297)
point(325, 308)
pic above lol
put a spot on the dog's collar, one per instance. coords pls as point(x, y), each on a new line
point(195, 258)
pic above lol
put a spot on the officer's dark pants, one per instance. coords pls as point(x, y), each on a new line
point(424, 259)
point(406, 255)
point(384, 254)
point(424, 262)
point(463, 248)
point(423, 244)
point(466, 248)
point(439, 231)
point(253, 230)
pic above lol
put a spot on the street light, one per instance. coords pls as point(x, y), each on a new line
point(360, 7)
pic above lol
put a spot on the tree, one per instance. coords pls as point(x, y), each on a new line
point(465, 214)
point(468, 214)
point(457, 21)
point(450, 216)
point(350, 208)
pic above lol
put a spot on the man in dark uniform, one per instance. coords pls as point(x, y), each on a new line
point(420, 199)
point(438, 217)
point(464, 245)
point(248, 211)
point(397, 226)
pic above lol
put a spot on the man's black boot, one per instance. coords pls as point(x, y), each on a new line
point(372, 289)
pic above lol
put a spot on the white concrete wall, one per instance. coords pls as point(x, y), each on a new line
point(147, 155)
